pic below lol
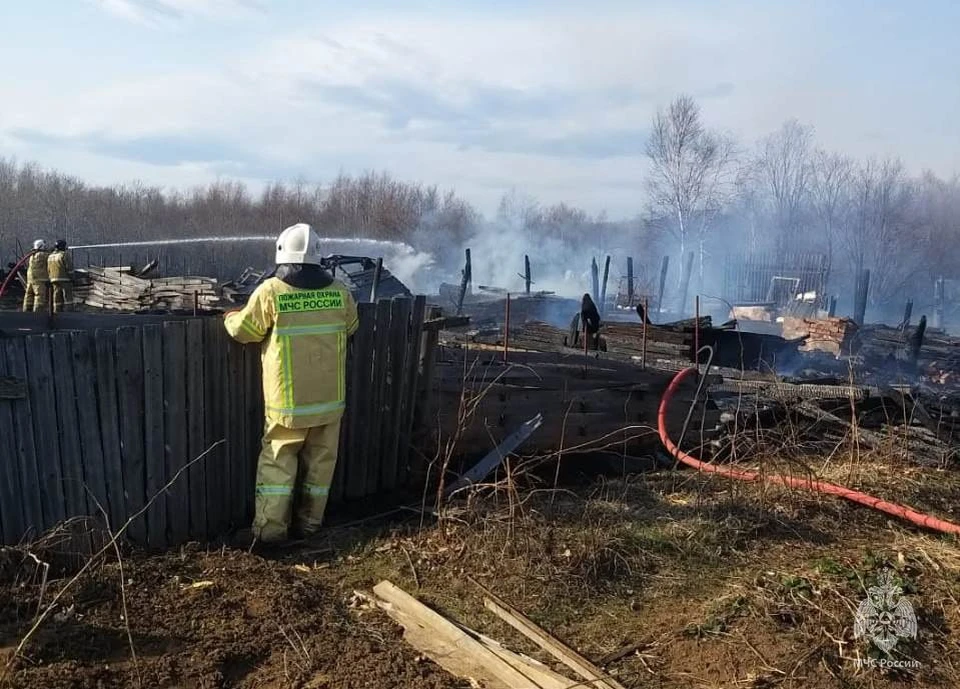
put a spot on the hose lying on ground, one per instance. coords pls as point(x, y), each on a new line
point(899, 511)
point(13, 271)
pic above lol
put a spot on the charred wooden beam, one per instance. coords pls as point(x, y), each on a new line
point(664, 267)
point(465, 280)
point(907, 314)
point(603, 290)
point(862, 292)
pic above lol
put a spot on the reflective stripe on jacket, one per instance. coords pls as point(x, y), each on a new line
point(304, 349)
point(59, 266)
point(37, 268)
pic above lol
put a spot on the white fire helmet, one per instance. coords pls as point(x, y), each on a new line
point(298, 244)
point(39, 245)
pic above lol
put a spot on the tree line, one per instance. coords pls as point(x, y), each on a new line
point(705, 192)
point(785, 193)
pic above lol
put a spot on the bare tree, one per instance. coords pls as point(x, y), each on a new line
point(785, 170)
point(690, 168)
point(881, 232)
point(830, 194)
point(938, 213)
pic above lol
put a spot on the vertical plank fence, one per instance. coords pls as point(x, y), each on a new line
point(110, 418)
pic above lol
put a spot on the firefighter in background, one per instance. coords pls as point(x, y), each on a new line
point(38, 281)
point(302, 317)
point(60, 271)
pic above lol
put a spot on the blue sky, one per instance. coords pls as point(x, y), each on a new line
point(554, 98)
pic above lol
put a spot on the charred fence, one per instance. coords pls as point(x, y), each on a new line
point(158, 421)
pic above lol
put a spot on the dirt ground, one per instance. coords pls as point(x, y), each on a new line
point(697, 582)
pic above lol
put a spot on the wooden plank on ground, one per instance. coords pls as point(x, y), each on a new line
point(217, 510)
point(559, 650)
point(11, 496)
point(408, 465)
point(71, 459)
point(153, 420)
point(91, 445)
point(531, 668)
point(109, 410)
point(391, 421)
point(130, 400)
point(381, 368)
point(454, 649)
point(43, 406)
point(175, 430)
point(33, 518)
point(195, 430)
point(360, 419)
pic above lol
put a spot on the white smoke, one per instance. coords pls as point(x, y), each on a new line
point(556, 264)
point(402, 260)
point(408, 265)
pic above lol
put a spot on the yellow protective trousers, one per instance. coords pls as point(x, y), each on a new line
point(62, 295)
point(35, 298)
point(295, 468)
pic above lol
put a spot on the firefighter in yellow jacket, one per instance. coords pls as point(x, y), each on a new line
point(60, 271)
point(302, 317)
point(38, 282)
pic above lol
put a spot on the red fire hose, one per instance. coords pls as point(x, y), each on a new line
point(924, 520)
point(13, 271)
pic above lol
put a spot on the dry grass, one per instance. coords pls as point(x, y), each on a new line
point(706, 582)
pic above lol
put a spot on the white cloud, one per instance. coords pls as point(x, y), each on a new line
point(482, 102)
point(163, 12)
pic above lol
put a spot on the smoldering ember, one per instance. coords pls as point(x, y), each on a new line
point(681, 449)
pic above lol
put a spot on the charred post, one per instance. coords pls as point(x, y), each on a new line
point(526, 273)
point(465, 279)
point(863, 290)
point(506, 328)
point(664, 268)
point(643, 355)
point(696, 330)
point(603, 290)
point(907, 314)
point(916, 340)
point(629, 280)
point(574, 332)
